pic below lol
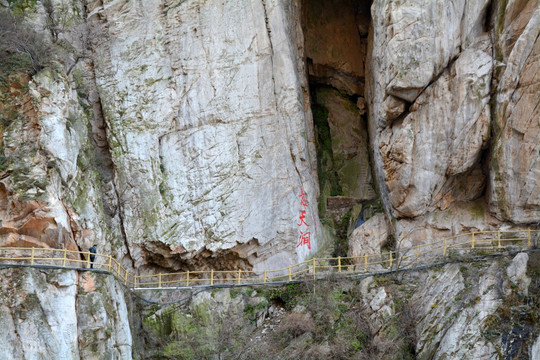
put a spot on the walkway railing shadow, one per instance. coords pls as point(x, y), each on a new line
point(483, 242)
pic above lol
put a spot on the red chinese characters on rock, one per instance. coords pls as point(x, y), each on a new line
point(304, 239)
point(302, 218)
point(302, 196)
point(305, 236)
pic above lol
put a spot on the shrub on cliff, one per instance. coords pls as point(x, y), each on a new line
point(21, 48)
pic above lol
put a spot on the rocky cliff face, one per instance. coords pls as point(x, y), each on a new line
point(187, 135)
point(62, 314)
point(194, 153)
point(438, 81)
point(209, 129)
point(483, 310)
point(177, 139)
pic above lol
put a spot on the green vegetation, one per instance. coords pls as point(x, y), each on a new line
point(336, 324)
point(328, 321)
point(18, 162)
point(21, 48)
point(20, 7)
point(251, 311)
point(519, 311)
point(328, 177)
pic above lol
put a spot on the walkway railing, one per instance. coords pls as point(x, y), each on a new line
point(478, 242)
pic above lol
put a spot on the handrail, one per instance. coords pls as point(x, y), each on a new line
point(391, 260)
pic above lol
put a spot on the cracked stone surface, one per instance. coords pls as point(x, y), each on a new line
point(48, 316)
point(208, 126)
point(515, 162)
point(445, 329)
point(419, 153)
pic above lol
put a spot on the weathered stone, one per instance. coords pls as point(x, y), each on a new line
point(535, 350)
point(207, 126)
point(368, 238)
point(418, 40)
point(515, 163)
point(378, 301)
point(423, 153)
point(517, 272)
point(103, 320)
point(460, 218)
point(447, 330)
point(335, 48)
point(49, 318)
point(442, 65)
point(349, 144)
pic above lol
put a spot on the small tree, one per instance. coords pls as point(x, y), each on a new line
point(21, 48)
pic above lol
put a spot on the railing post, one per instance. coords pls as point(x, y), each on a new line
point(390, 254)
point(472, 242)
point(314, 267)
point(239, 276)
point(125, 277)
point(444, 248)
point(212, 277)
point(134, 281)
point(264, 277)
point(529, 238)
point(64, 259)
point(417, 252)
point(290, 272)
point(365, 262)
point(87, 260)
point(32, 257)
point(109, 264)
point(159, 280)
point(118, 270)
point(339, 263)
point(187, 278)
point(499, 239)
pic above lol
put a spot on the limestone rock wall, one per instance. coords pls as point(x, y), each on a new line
point(53, 194)
point(428, 101)
point(515, 164)
point(62, 314)
point(167, 134)
point(177, 138)
point(209, 128)
point(452, 102)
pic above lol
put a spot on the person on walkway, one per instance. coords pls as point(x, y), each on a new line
point(93, 250)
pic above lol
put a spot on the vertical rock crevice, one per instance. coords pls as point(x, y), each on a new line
point(336, 39)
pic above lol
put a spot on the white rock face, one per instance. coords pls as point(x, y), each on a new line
point(46, 316)
point(441, 136)
point(444, 80)
point(55, 198)
point(414, 41)
point(535, 350)
point(422, 154)
point(460, 218)
point(517, 272)
point(208, 125)
point(57, 115)
point(445, 329)
point(368, 238)
point(515, 164)
point(104, 329)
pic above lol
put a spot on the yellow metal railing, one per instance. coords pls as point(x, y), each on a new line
point(480, 241)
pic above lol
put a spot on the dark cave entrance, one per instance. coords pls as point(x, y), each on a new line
point(336, 45)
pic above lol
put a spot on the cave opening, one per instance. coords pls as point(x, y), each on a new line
point(336, 45)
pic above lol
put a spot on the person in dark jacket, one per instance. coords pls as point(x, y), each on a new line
point(93, 250)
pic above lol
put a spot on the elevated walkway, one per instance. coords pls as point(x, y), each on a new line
point(438, 252)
